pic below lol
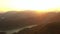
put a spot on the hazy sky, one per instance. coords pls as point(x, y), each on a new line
point(28, 4)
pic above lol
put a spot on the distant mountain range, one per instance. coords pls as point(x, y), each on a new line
point(13, 19)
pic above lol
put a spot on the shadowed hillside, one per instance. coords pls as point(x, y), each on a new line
point(50, 25)
point(15, 20)
point(50, 28)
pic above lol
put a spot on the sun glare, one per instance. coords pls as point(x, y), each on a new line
point(6, 5)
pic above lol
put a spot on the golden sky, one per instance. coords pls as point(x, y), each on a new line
point(6, 5)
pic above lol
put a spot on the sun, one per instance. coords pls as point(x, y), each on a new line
point(6, 5)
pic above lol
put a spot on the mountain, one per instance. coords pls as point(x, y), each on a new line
point(50, 25)
point(13, 19)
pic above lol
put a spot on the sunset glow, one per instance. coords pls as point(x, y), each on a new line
point(6, 5)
